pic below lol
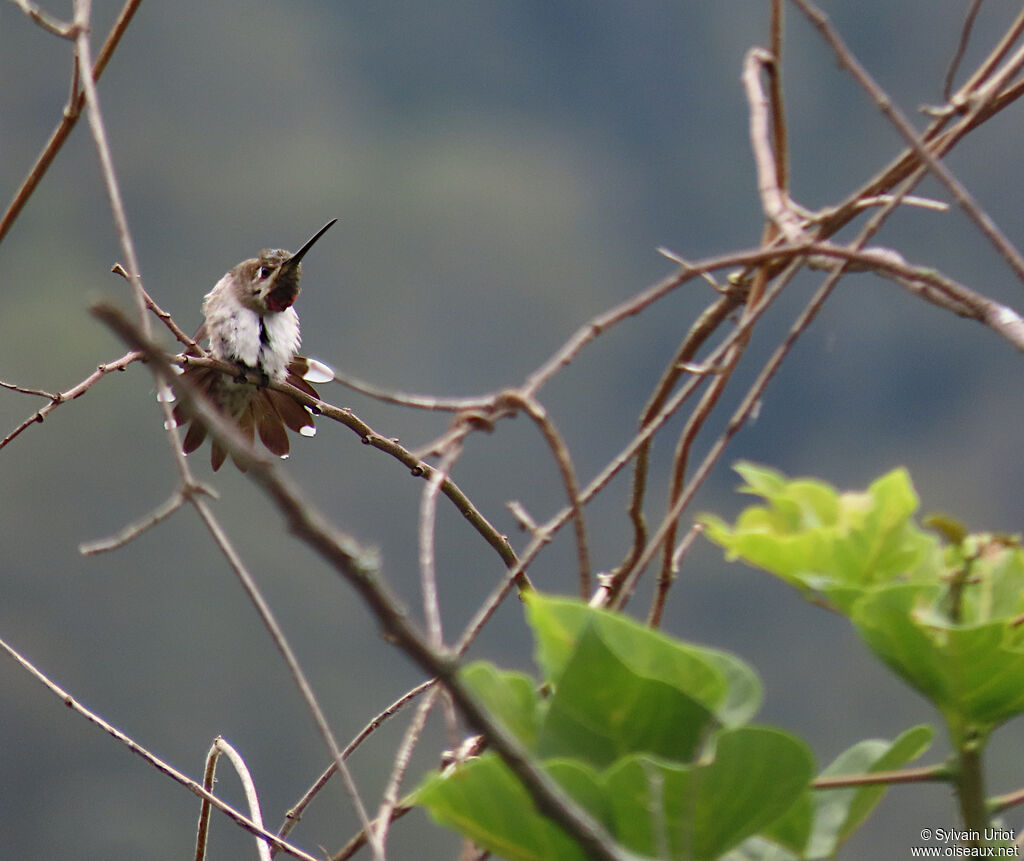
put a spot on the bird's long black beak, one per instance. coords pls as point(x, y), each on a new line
point(296, 258)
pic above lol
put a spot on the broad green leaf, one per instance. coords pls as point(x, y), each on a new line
point(484, 801)
point(839, 812)
point(602, 710)
point(511, 697)
point(720, 683)
point(995, 582)
point(701, 811)
point(822, 819)
point(630, 710)
point(974, 673)
point(823, 542)
point(650, 806)
point(793, 831)
point(796, 504)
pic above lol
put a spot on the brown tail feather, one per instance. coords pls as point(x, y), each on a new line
point(217, 455)
point(194, 438)
point(268, 414)
point(270, 425)
point(294, 415)
point(302, 385)
point(246, 424)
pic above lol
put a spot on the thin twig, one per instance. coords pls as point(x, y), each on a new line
point(780, 138)
point(665, 581)
point(427, 524)
point(64, 29)
point(14, 387)
point(294, 814)
point(71, 114)
point(408, 399)
point(360, 570)
point(83, 9)
point(75, 391)
point(134, 530)
point(390, 800)
point(164, 316)
point(774, 198)
point(885, 105)
point(563, 459)
point(924, 774)
point(220, 746)
point(279, 639)
point(961, 48)
point(151, 758)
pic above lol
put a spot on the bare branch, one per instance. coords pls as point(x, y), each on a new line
point(164, 316)
point(961, 48)
point(390, 802)
point(428, 521)
point(360, 570)
point(152, 759)
point(406, 399)
point(885, 105)
point(14, 387)
point(67, 123)
point(133, 530)
point(774, 200)
point(665, 581)
point(63, 397)
point(83, 10)
point(563, 459)
point(294, 814)
point(252, 798)
point(52, 25)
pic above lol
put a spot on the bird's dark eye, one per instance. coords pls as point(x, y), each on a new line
point(263, 272)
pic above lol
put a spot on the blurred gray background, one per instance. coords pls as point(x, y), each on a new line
point(502, 171)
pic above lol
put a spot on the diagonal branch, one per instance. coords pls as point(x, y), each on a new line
point(360, 569)
point(927, 157)
point(67, 122)
point(151, 758)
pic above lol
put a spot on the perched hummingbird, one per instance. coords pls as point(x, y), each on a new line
point(250, 322)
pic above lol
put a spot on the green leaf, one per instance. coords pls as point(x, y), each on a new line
point(995, 581)
point(700, 811)
point(483, 800)
point(839, 812)
point(825, 543)
point(602, 710)
point(511, 697)
point(621, 688)
point(974, 673)
point(630, 711)
point(650, 806)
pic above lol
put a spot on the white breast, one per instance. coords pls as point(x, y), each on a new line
point(238, 334)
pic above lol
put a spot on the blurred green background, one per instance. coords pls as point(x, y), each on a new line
point(502, 172)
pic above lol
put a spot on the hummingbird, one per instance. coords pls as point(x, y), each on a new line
point(250, 321)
